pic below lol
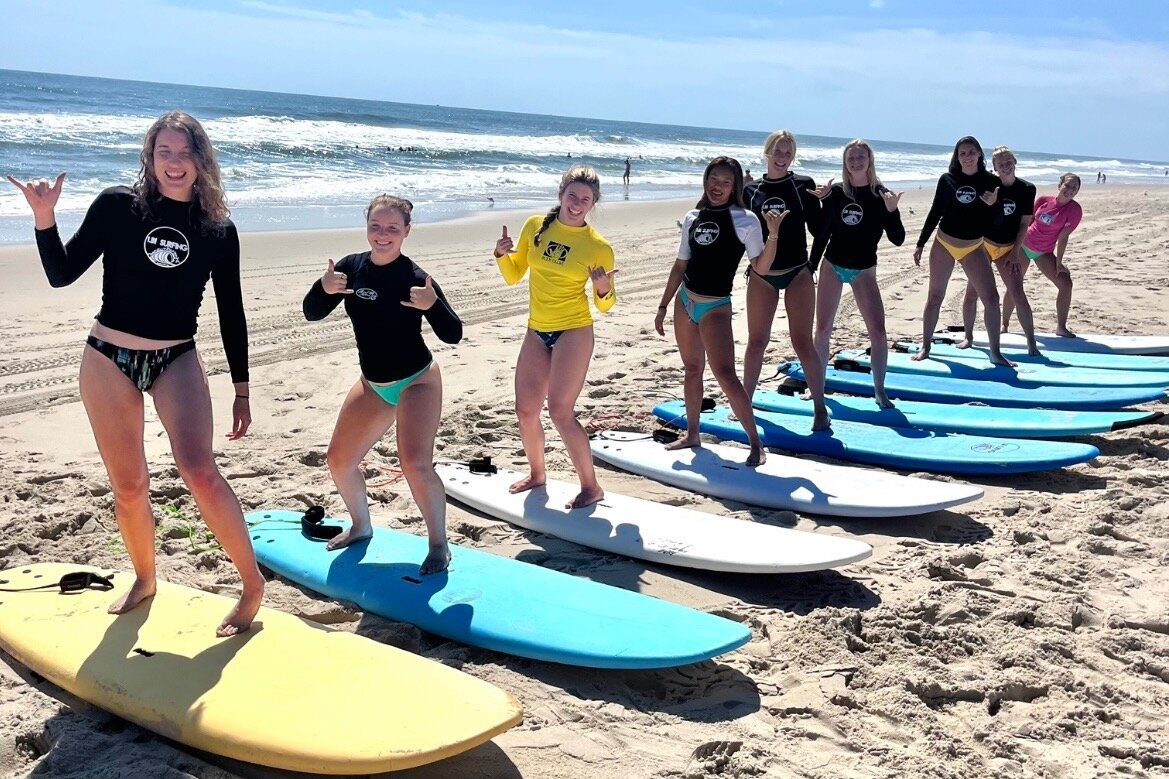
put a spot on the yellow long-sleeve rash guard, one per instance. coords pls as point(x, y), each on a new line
point(559, 269)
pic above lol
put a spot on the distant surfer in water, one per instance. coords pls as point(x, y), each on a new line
point(1010, 218)
point(386, 296)
point(561, 253)
point(1045, 243)
point(790, 194)
point(715, 234)
point(965, 196)
point(856, 212)
point(160, 241)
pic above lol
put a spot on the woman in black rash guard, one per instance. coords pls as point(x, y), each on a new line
point(856, 212)
point(160, 241)
point(962, 204)
point(789, 194)
point(386, 296)
point(715, 235)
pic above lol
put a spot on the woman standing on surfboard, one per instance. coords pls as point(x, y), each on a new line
point(1044, 244)
point(782, 191)
point(160, 241)
point(960, 212)
point(856, 212)
point(560, 252)
point(715, 235)
point(386, 296)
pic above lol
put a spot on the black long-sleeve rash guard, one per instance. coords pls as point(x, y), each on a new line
point(959, 207)
point(853, 227)
point(154, 270)
point(389, 334)
point(1014, 203)
point(792, 193)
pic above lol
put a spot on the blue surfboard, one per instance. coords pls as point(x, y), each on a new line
point(943, 346)
point(495, 602)
point(980, 368)
point(939, 389)
point(955, 418)
point(907, 448)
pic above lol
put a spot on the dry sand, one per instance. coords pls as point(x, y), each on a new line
point(1024, 635)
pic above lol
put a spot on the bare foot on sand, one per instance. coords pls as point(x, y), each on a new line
point(138, 592)
point(436, 560)
point(530, 482)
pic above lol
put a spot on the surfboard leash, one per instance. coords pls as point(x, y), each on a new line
point(75, 581)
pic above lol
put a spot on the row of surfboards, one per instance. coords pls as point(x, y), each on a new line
point(295, 695)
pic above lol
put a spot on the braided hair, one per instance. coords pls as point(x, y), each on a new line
point(577, 174)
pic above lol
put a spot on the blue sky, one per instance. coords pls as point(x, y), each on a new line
point(1055, 76)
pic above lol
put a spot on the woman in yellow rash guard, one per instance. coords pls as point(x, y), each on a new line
point(560, 252)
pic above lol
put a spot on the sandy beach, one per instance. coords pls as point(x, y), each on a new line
point(1023, 635)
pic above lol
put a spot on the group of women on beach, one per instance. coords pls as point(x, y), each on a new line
point(165, 236)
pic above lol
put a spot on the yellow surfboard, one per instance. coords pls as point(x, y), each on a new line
point(288, 693)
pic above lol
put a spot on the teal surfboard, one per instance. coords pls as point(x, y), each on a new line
point(957, 418)
point(494, 602)
point(939, 389)
point(907, 448)
point(943, 346)
point(979, 368)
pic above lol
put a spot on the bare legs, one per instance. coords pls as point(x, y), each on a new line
point(976, 266)
point(1011, 271)
point(115, 410)
point(556, 375)
point(868, 301)
point(1061, 277)
point(712, 339)
point(364, 418)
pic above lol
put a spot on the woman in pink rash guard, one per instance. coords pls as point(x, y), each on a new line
point(1047, 237)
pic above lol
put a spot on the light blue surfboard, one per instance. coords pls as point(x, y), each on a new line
point(943, 345)
point(956, 418)
point(495, 602)
point(907, 448)
point(939, 389)
point(978, 368)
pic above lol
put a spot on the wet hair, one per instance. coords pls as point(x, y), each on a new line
point(577, 174)
point(874, 183)
point(776, 137)
point(731, 164)
point(1067, 176)
point(209, 206)
point(955, 166)
point(399, 204)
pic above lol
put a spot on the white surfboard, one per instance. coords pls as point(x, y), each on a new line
point(781, 482)
point(1083, 342)
point(647, 530)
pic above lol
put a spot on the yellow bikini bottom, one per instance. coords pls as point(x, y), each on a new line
point(997, 251)
point(958, 253)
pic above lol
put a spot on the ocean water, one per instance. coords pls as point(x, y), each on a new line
point(304, 162)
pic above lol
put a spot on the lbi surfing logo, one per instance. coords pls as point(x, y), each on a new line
point(705, 233)
point(852, 214)
point(365, 293)
point(965, 194)
point(1008, 207)
point(556, 252)
point(994, 448)
point(1047, 219)
point(773, 204)
point(166, 247)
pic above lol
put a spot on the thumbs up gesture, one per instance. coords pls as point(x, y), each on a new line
point(422, 298)
point(504, 245)
point(335, 282)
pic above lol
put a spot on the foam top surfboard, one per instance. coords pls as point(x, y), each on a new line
point(943, 345)
point(908, 448)
point(287, 694)
point(978, 368)
point(495, 602)
point(1083, 342)
point(955, 418)
point(781, 482)
point(650, 531)
point(939, 389)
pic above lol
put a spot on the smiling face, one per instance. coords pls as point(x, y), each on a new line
point(173, 161)
point(780, 158)
point(968, 155)
point(857, 162)
point(719, 186)
point(385, 229)
point(1069, 187)
point(1004, 167)
point(575, 203)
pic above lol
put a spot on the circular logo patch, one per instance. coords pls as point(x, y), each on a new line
point(852, 214)
point(705, 233)
point(773, 204)
point(365, 293)
point(965, 194)
point(166, 247)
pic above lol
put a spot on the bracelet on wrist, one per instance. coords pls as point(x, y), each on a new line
point(245, 397)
